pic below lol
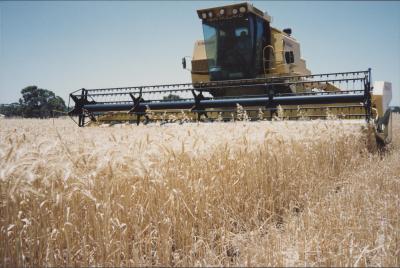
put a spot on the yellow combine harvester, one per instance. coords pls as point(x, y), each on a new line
point(243, 65)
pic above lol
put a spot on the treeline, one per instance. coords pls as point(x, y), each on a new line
point(35, 102)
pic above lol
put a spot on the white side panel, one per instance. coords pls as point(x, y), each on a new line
point(385, 89)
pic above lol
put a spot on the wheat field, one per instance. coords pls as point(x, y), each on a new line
point(281, 193)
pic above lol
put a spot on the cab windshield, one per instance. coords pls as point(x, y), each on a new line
point(230, 48)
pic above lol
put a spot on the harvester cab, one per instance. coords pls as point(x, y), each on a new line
point(239, 43)
point(243, 62)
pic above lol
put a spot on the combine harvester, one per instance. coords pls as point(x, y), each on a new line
point(243, 62)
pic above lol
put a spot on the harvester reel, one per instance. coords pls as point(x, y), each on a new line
point(136, 109)
point(265, 94)
point(197, 105)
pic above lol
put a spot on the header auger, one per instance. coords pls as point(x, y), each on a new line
point(243, 62)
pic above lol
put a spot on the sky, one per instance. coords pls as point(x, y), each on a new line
point(65, 46)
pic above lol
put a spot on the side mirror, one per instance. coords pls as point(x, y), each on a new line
point(184, 63)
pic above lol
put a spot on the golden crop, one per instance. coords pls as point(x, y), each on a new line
point(282, 193)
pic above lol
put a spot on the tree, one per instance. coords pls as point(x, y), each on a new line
point(12, 109)
point(42, 103)
point(171, 97)
point(395, 109)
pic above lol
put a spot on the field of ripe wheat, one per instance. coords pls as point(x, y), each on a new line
point(306, 193)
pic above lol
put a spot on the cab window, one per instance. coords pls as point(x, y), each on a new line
point(289, 57)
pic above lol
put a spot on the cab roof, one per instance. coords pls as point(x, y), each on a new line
point(230, 12)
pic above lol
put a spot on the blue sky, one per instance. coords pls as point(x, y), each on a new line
point(64, 46)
